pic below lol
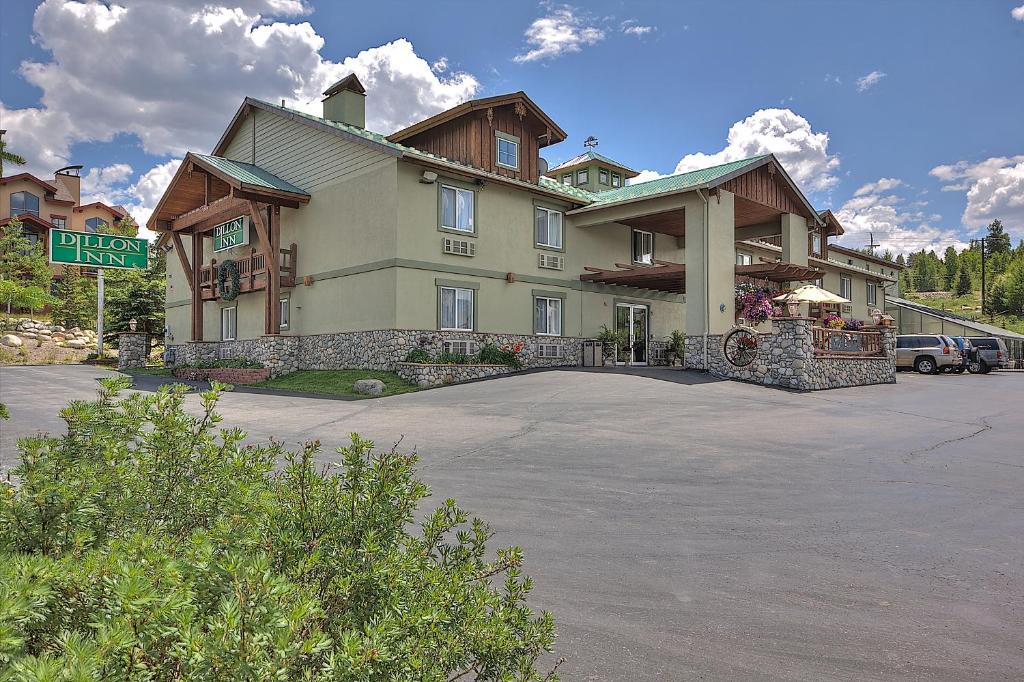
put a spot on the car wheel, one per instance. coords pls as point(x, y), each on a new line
point(925, 366)
point(985, 369)
point(974, 367)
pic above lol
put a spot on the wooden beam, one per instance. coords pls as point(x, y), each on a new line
point(269, 197)
point(210, 215)
point(186, 268)
point(274, 270)
point(197, 297)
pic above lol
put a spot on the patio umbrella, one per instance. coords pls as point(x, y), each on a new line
point(810, 293)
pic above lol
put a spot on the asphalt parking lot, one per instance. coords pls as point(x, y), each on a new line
point(705, 529)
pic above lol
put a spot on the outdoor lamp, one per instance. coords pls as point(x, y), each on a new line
point(133, 323)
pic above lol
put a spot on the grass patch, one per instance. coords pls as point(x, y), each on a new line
point(337, 382)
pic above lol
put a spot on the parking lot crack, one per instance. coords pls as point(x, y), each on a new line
point(914, 454)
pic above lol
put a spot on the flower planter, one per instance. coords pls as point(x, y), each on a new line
point(226, 375)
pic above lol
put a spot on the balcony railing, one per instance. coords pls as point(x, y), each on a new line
point(252, 272)
point(841, 342)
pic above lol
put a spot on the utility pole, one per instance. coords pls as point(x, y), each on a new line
point(983, 242)
point(873, 245)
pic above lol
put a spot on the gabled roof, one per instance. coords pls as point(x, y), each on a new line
point(835, 228)
point(557, 134)
point(49, 187)
point(30, 219)
point(116, 211)
point(988, 329)
point(244, 174)
point(590, 156)
point(349, 82)
point(63, 193)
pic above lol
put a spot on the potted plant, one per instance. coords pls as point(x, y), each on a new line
point(676, 348)
point(613, 341)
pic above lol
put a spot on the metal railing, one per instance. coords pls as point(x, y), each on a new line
point(842, 342)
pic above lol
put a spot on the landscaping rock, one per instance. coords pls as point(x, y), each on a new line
point(10, 340)
point(369, 386)
point(77, 344)
point(28, 335)
point(58, 328)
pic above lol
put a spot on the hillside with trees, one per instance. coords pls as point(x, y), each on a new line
point(952, 281)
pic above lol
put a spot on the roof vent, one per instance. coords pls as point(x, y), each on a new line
point(345, 102)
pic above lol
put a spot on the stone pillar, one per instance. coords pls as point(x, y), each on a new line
point(792, 352)
point(132, 350)
point(711, 266)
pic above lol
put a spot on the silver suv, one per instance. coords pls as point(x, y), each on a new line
point(927, 353)
point(990, 352)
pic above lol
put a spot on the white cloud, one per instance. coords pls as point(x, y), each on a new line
point(99, 182)
point(865, 82)
point(173, 74)
point(802, 152)
point(645, 176)
point(882, 185)
point(876, 212)
point(635, 28)
point(1018, 13)
point(994, 187)
point(560, 32)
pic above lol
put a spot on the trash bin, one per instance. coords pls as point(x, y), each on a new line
point(593, 354)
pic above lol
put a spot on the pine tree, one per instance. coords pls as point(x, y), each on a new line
point(951, 261)
point(75, 304)
point(963, 283)
point(997, 239)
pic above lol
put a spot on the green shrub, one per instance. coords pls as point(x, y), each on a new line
point(489, 354)
point(449, 358)
point(420, 355)
point(150, 544)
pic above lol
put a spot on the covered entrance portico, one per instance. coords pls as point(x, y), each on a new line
point(206, 193)
point(705, 213)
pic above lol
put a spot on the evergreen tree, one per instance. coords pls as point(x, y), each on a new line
point(75, 304)
point(963, 283)
point(138, 295)
point(20, 260)
point(951, 261)
point(997, 239)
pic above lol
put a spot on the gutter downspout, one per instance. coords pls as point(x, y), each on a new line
point(707, 278)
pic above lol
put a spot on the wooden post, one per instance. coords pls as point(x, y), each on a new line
point(197, 289)
point(274, 270)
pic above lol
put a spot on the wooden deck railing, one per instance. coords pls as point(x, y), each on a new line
point(841, 342)
point(252, 272)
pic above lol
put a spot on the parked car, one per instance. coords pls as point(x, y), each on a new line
point(966, 353)
point(926, 353)
point(990, 353)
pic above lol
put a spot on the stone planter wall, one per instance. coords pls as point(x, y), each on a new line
point(786, 358)
point(427, 375)
point(377, 349)
point(132, 350)
point(226, 375)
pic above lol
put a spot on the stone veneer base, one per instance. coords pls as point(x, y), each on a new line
point(225, 375)
point(430, 375)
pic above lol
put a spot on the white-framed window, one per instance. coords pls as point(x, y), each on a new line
point(228, 323)
point(872, 293)
point(582, 176)
point(456, 308)
point(286, 313)
point(548, 227)
point(845, 287)
point(508, 153)
point(816, 243)
point(567, 179)
point(820, 283)
point(457, 208)
point(744, 259)
point(459, 346)
point(547, 316)
point(616, 180)
point(602, 176)
point(59, 221)
point(643, 247)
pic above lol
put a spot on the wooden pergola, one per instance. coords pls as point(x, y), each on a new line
point(667, 276)
point(208, 191)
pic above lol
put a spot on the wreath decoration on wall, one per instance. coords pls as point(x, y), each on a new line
point(228, 281)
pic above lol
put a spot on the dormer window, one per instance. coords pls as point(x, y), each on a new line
point(602, 176)
point(567, 179)
point(582, 176)
point(508, 151)
point(616, 180)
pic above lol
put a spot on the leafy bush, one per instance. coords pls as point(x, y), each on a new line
point(150, 544)
point(420, 355)
point(449, 358)
point(489, 354)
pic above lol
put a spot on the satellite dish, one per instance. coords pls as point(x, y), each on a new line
point(542, 164)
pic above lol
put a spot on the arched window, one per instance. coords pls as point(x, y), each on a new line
point(94, 224)
point(24, 202)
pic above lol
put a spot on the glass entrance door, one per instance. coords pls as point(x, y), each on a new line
point(633, 319)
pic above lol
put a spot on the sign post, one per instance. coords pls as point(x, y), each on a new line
point(101, 251)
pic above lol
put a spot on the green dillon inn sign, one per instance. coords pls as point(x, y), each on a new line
point(98, 250)
point(232, 233)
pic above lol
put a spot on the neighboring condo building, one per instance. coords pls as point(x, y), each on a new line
point(453, 232)
point(41, 205)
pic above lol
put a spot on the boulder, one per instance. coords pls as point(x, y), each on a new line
point(369, 386)
point(77, 344)
point(29, 335)
point(58, 328)
point(45, 332)
point(75, 330)
point(10, 340)
point(56, 338)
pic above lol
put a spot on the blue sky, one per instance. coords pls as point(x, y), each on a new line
point(904, 117)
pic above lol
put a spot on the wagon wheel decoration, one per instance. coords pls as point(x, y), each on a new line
point(740, 347)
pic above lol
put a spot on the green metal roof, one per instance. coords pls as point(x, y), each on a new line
point(249, 174)
point(574, 192)
point(588, 156)
point(672, 183)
